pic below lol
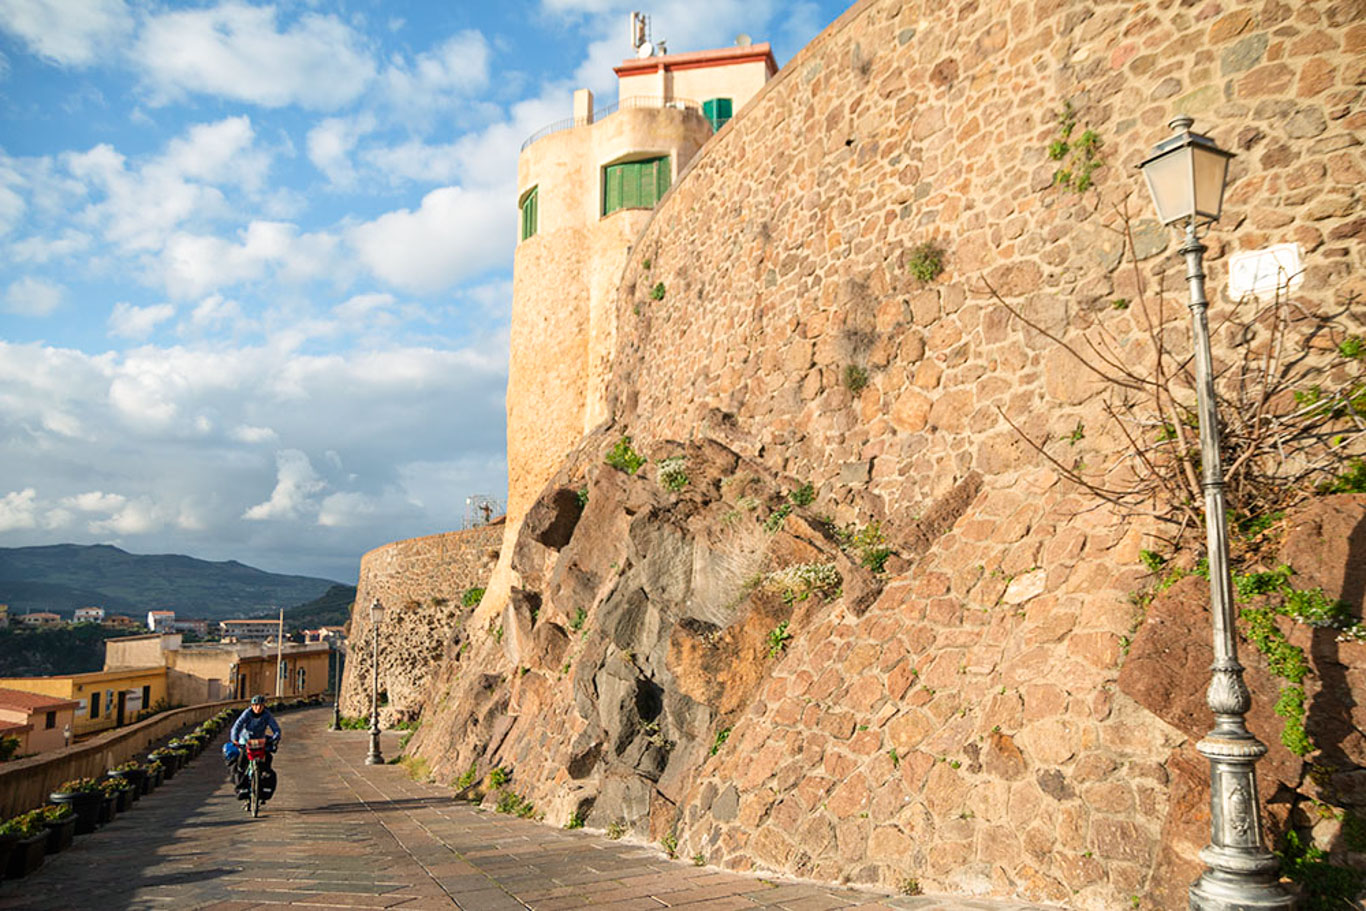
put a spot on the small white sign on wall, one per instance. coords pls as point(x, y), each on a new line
point(1261, 274)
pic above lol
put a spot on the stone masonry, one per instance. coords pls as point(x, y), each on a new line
point(420, 582)
point(962, 722)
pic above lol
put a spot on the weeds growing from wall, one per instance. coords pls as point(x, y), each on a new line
point(673, 473)
point(623, 458)
point(471, 597)
point(926, 262)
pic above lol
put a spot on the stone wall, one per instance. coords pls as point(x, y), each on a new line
point(962, 722)
point(421, 583)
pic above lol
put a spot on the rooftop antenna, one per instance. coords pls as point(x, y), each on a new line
point(743, 40)
point(480, 510)
point(640, 35)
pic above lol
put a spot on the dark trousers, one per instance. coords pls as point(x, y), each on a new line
point(239, 774)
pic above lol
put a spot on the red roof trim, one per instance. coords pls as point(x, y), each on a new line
point(757, 53)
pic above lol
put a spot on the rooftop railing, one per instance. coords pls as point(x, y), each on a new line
point(635, 101)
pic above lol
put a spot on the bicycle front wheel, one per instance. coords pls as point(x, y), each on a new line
point(255, 789)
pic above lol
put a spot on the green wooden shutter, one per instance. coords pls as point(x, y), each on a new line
point(661, 178)
point(718, 111)
point(529, 214)
point(634, 184)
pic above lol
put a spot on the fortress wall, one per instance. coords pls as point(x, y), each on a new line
point(977, 726)
point(420, 582)
point(970, 731)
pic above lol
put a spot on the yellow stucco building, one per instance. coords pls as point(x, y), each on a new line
point(105, 699)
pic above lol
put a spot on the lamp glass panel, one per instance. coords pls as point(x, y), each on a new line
point(1169, 180)
point(377, 612)
point(1210, 169)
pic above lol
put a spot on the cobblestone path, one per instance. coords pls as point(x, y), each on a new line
point(343, 835)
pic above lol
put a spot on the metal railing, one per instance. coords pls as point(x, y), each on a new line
point(635, 101)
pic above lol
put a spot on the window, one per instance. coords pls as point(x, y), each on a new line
point(95, 704)
point(51, 721)
point(146, 698)
point(717, 110)
point(529, 212)
point(634, 184)
point(299, 680)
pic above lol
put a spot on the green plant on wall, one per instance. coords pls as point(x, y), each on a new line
point(926, 262)
point(855, 378)
point(1077, 158)
point(657, 292)
point(778, 637)
point(472, 596)
point(673, 473)
point(623, 458)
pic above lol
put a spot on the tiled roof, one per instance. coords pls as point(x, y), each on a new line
point(13, 727)
point(33, 702)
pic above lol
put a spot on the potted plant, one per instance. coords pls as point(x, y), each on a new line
point(60, 822)
point(133, 773)
point(121, 790)
point(109, 805)
point(155, 773)
point(84, 797)
point(29, 839)
point(167, 760)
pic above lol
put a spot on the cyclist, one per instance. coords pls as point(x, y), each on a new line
point(255, 721)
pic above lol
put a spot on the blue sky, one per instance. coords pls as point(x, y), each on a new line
point(255, 259)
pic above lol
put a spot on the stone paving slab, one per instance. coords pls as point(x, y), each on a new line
point(344, 835)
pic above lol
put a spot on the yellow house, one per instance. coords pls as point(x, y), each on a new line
point(105, 699)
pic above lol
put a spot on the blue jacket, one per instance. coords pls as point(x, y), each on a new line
point(249, 725)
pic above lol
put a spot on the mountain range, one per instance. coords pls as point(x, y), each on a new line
point(63, 577)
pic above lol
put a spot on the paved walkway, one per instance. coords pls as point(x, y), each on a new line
point(343, 835)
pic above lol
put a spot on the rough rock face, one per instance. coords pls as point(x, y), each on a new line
point(642, 626)
point(1167, 672)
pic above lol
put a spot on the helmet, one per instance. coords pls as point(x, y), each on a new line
point(258, 699)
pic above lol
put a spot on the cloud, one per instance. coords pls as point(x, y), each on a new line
point(30, 296)
point(439, 78)
point(296, 482)
point(239, 52)
point(455, 234)
point(128, 321)
point(67, 32)
point(331, 143)
point(194, 264)
point(17, 509)
point(95, 501)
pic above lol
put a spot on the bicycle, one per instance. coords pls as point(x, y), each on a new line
point(256, 756)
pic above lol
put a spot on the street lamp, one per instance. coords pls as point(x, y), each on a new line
point(335, 644)
point(376, 618)
point(1186, 176)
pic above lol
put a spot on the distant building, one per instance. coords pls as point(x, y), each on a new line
point(89, 615)
point(248, 630)
point(105, 699)
point(215, 671)
point(119, 621)
point(160, 621)
point(325, 633)
point(39, 619)
point(40, 722)
point(4, 616)
point(199, 627)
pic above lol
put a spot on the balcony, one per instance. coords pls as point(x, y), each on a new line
point(636, 101)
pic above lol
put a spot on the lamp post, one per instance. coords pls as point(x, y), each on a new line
point(376, 618)
point(337, 679)
point(1186, 176)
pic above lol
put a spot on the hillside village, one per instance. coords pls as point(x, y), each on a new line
point(848, 534)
